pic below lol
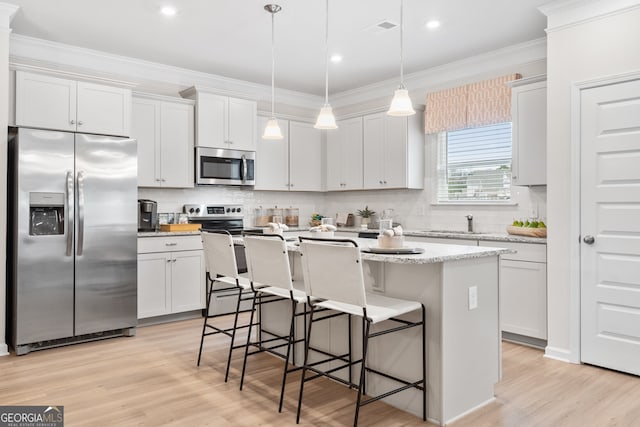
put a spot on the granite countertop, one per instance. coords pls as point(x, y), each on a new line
point(497, 237)
point(167, 233)
point(433, 253)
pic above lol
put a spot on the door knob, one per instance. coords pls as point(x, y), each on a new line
point(589, 240)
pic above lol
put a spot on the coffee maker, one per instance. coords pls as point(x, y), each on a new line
point(147, 215)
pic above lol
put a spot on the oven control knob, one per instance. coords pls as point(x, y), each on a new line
point(197, 210)
point(233, 209)
point(191, 210)
point(239, 210)
point(228, 210)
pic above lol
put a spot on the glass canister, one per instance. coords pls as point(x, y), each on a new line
point(262, 217)
point(275, 214)
point(291, 216)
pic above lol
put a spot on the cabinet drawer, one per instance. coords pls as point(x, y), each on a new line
point(532, 252)
point(169, 244)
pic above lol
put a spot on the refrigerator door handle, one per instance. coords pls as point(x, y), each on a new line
point(70, 223)
point(80, 245)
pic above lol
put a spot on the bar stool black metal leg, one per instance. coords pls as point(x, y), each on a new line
point(233, 335)
point(350, 355)
point(365, 344)
point(365, 337)
point(206, 317)
point(289, 345)
point(246, 348)
point(304, 366)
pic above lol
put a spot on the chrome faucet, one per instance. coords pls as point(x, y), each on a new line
point(470, 223)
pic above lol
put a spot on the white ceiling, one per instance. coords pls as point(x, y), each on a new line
point(232, 37)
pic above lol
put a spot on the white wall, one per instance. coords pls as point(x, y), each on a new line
point(592, 49)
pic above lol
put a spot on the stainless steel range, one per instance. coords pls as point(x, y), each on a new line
point(214, 217)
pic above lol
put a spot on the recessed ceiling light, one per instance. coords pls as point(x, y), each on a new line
point(433, 24)
point(336, 58)
point(168, 10)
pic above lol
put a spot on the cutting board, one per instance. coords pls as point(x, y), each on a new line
point(180, 227)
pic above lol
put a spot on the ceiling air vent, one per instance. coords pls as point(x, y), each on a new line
point(381, 26)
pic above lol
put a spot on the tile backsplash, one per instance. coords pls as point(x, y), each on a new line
point(412, 208)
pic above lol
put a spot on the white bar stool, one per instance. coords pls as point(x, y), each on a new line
point(341, 288)
point(268, 264)
point(221, 266)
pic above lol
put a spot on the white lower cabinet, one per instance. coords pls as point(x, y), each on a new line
point(171, 275)
point(523, 289)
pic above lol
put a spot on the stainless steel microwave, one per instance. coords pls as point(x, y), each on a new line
point(225, 167)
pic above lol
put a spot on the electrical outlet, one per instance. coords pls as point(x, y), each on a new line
point(473, 297)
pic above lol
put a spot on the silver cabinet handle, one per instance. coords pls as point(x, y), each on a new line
point(380, 182)
point(291, 185)
point(80, 245)
point(170, 244)
point(589, 240)
point(384, 182)
point(72, 122)
point(163, 180)
point(157, 179)
point(174, 260)
point(168, 260)
point(70, 224)
point(80, 123)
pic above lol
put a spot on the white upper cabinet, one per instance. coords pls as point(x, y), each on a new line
point(272, 159)
point(344, 156)
point(293, 163)
point(55, 103)
point(529, 131)
point(164, 129)
point(393, 151)
point(223, 121)
point(305, 157)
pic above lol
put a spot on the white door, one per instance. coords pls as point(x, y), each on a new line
point(242, 116)
point(352, 154)
point(103, 109)
point(272, 159)
point(187, 281)
point(176, 141)
point(305, 157)
point(154, 286)
point(211, 121)
point(145, 128)
point(610, 226)
point(335, 157)
point(395, 152)
point(373, 163)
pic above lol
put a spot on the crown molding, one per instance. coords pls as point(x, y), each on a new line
point(562, 14)
point(7, 12)
point(522, 53)
point(24, 65)
point(55, 55)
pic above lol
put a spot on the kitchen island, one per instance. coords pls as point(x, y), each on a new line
point(459, 287)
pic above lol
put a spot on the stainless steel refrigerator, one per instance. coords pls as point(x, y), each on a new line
point(73, 236)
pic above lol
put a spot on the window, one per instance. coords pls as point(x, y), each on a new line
point(474, 164)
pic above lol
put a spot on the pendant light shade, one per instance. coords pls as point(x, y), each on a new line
point(272, 130)
point(326, 119)
point(401, 103)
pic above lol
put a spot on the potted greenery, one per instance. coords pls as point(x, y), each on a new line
point(366, 215)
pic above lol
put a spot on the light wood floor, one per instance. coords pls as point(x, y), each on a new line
point(152, 380)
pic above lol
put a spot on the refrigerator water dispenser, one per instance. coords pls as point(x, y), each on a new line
point(46, 214)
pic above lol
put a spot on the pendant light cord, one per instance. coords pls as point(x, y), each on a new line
point(401, 45)
point(326, 55)
point(273, 65)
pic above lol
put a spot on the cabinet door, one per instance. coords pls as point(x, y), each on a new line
point(104, 110)
point(176, 142)
point(187, 281)
point(154, 287)
point(344, 156)
point(373, 158)
point(45, 102)
point(145, 128)
point(529, 112)
point(272, 159)
point(305, 157)
point(523, 298)
point(211, 121)
point(242, 116)
point(395, 152)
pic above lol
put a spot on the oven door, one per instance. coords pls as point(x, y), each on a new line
point(226, 167)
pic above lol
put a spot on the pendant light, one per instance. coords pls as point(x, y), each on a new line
point(272, 130)
point(401, 103)
point(326, 119)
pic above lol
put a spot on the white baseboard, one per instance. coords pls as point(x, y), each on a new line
point(555, 353)
point(4, 350)
point(464, 414)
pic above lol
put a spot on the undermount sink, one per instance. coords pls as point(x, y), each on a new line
point(451, 231)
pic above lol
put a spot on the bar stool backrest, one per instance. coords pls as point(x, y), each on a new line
point(332, 270)
point(219, 254)
point(268, 260)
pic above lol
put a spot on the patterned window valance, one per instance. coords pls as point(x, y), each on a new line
point(476, 104)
